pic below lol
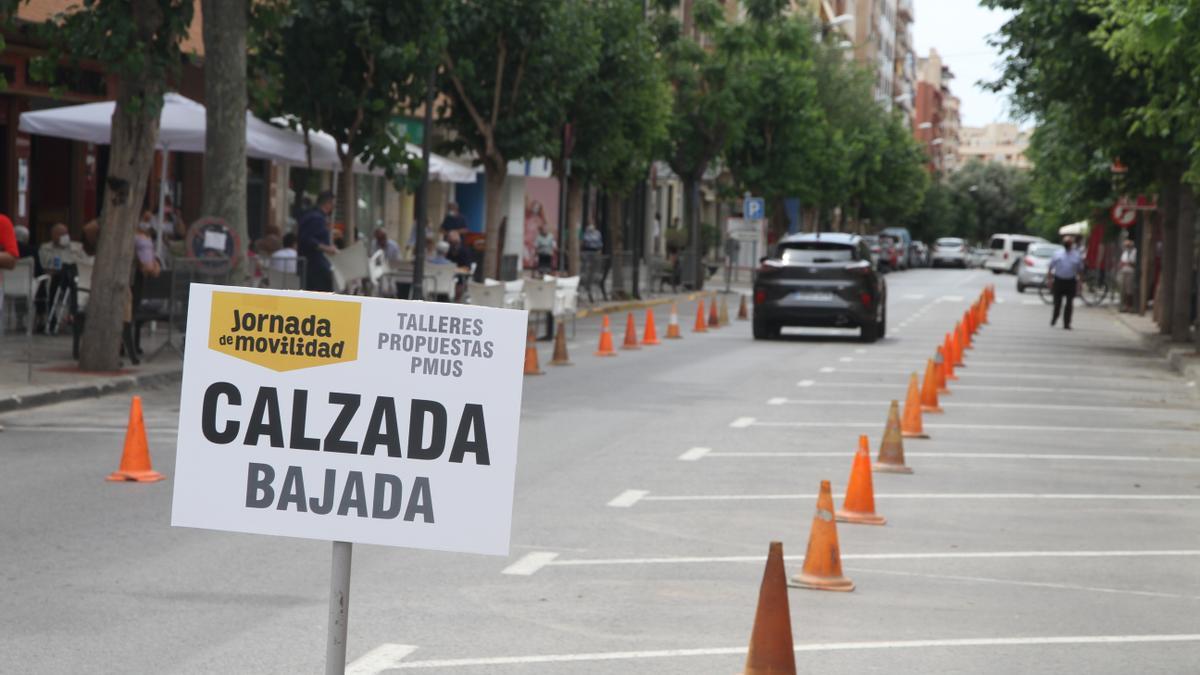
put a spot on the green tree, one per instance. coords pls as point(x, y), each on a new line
point(138, 42)
point(509, 67)
point(777, 151)
point(345, 68)
point(618, 113)
point(703, 60)
point(224, 194)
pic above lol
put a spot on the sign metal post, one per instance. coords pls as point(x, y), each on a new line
point(339, 608)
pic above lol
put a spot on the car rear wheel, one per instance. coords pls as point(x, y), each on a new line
point(871, 331)
point(1020, 287)
point(997, 271)
point(765, 330)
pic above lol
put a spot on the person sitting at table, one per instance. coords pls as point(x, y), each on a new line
point(438, 257)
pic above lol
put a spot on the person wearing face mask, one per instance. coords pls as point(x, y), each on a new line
point(58, 258)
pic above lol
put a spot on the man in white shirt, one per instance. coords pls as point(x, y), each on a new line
point(1126, 268)
point(1065, 269)
point(284, 260)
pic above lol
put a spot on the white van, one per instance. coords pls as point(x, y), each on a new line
point(1006, 250)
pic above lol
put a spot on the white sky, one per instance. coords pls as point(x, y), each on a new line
point(958, 29)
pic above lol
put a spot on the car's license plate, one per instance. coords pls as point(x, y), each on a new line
point(812, 296)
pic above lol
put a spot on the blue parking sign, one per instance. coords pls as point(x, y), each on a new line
point(754, 208)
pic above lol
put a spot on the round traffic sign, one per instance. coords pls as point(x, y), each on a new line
point(1124, 215)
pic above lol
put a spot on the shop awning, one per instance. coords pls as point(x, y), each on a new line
point(325, 157)
point(181, 128)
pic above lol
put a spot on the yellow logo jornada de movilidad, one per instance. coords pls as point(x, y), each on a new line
point(283, 333)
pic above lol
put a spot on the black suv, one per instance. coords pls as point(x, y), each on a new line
point(820, 280)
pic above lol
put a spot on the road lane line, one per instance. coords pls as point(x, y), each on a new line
point(968, 455)
point(384, 657)
point(804, 383)
point(779, 400)
point(741, 422)
point(927, 495)
point(978, 427)
point(694, 454)
point(827, 369)
point(985, 387)
point(1017, 376)
point(932, 555)
point(530, 563)
point(810, 647)
point(846, 359)
point(950, 298)
point(1032, 584)
point(628, 498)
point(914, 296)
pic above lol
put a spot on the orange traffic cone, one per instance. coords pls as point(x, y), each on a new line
point(743, 313)
point(891, 448)
point(822, 569)
point(135, 458)
point(531, 356)
point(673, 324)
point(723, 315)
point(964, 342)
point(771, 649)
point(910, 424)
point(650, 335)
point(859, 505)
point(929, 390)
point(714, 320)
point(700, 326)
point(606, 345)
point(631, 341)
point(956, 345)
point(939, 364)
point(560, 348)
point(948, 353)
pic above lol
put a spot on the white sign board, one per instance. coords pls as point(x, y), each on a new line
point(348, 418)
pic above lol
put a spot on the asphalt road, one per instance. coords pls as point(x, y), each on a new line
point(1052, 523)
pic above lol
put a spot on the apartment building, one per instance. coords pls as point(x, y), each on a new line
point(936, 118)
point(1001, 143)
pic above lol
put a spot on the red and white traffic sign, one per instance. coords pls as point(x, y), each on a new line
point(1124, 214)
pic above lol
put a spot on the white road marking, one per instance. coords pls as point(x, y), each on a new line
point(804, 383)
point(955, 404)
point(860, 350)
point(933, 555)
point(88, 430)
point(1119, 379)
point(846, 359)
point(628, 498)
point(810, 647)
point(1032, 302)
point(927, 495)
point(970, 455)
point(1019, 582)
point(950, 298)
point(984, 387)
point(828, 369)
point(694, 454)
point(914, 296)
point(741, 422)
point(529, 563)
point(980, 427)
point(384, 657)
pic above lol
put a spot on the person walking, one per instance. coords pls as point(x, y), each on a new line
point(1065, 269)
point(315, 242)
point(1126, 269)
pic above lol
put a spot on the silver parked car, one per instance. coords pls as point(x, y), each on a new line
point(1035, 265)
point(949, 251)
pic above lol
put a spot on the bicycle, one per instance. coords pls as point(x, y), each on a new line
point(1093, 290)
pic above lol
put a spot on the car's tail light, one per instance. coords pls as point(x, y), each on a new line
point(1028, 262)
point(1006, 255)
point(866, 298)
point(760, 296)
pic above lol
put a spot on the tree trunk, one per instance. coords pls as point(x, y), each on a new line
point(691, 220)
point(1185, 242)
point(347, 201)
point(574, 223)
point(619, 277)
point(225, 124)
point(134, 135)
point(496, 176)
point(1164, 300)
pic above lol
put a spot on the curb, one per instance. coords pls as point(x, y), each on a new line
point(81, 391)
point(642, 304)
point(1184, 359)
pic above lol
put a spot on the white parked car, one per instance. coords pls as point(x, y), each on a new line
point(1006, 251)
point(949, 252)
point(1035, 266)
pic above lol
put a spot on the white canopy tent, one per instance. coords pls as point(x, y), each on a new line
point(1079, 229)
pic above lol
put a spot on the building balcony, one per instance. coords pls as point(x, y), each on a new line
point(904, 10)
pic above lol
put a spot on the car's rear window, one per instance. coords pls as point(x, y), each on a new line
point(949, 244)
point(1042, 251)
point(813, 252)
point(1021, 246)
point(997, 244)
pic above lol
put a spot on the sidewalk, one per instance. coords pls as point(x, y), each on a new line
point(56, 376)
point(1182, 357)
